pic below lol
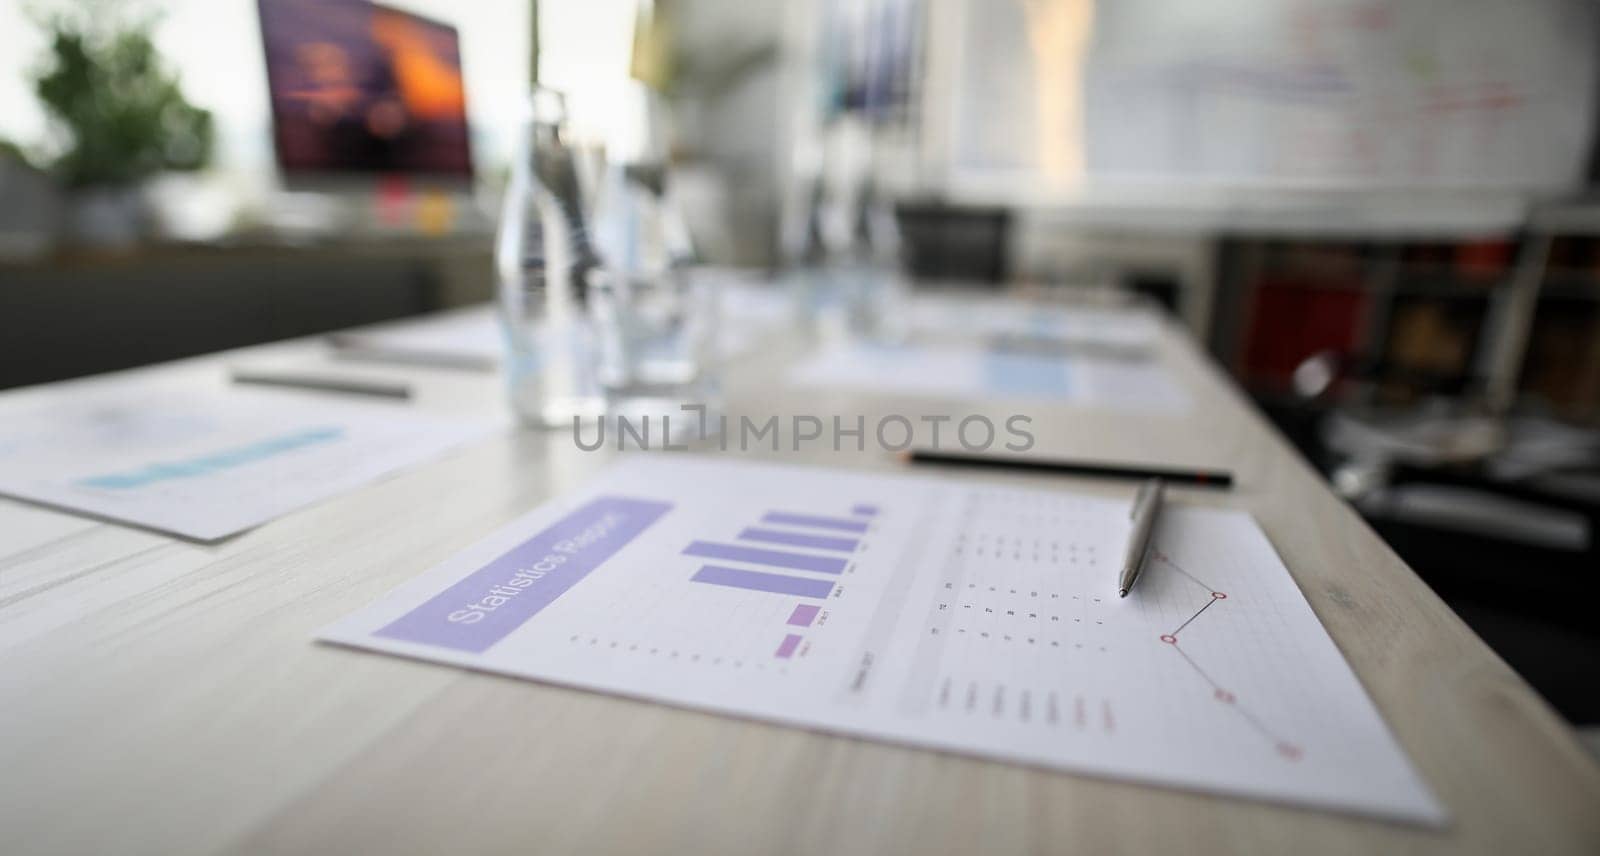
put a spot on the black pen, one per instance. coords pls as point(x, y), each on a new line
point(1171, 475)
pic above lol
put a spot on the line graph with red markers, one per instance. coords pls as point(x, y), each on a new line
point(1211, 597)
point(1214, 668)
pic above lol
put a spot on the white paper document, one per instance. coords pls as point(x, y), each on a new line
point(207, 464)
point(1111, 329)
point(974, 371)
point(974, 619)
point(748, 310)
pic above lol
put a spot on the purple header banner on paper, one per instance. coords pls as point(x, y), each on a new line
point(489, 603)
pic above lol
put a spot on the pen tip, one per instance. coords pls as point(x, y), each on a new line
point(1122, 592)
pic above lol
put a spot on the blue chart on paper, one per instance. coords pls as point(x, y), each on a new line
point(1027, 375)
point(215, 461)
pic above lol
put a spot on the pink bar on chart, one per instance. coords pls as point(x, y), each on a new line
point(787, 646)
point(803, 615)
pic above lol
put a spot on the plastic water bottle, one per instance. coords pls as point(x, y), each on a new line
point(848, 244)
point(544, 261)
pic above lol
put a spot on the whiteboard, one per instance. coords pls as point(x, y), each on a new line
point(1343, 94)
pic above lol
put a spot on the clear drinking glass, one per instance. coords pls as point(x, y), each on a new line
point(545, 261)
point(656, 325)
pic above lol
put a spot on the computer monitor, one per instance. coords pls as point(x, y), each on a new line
point(363, 89)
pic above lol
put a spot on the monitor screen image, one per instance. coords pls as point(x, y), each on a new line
point(362, 88)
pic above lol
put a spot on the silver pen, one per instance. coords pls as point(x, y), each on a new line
point(1146, 508)
point(321, 383)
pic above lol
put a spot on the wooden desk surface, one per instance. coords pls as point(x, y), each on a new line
point(158, 696)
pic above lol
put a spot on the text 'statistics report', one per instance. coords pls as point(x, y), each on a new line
point(968, 618)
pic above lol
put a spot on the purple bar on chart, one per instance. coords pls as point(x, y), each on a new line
point(804, 614)
point(865, 510)
point(758, 581)
point(787, 646)
point(815, 520)
point(773, 558)
point(800, 539)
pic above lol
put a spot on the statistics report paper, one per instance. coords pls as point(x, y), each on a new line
point(975, 619)
point(207, 464)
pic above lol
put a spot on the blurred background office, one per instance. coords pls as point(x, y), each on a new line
point(1373, 213)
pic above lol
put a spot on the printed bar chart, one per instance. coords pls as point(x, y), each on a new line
point(800, 539)
point(815, 521)
point(804, 614)
point(787, 646)
point(758, 581)
point(830, 541)
point(770, 558)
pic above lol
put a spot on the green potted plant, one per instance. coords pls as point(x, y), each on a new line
point(118, 117)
